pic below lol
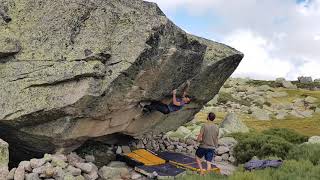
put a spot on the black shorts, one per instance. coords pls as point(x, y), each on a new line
point(207, 153)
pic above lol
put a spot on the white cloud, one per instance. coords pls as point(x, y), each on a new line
point(278, 38)
point(258, 61)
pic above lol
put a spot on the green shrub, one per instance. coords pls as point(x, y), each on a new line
point(309, 152)
point(260, 145)
point(287, 134)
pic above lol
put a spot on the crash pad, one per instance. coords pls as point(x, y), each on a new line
point(185, 161)
point(163, 171)
point(145, 157)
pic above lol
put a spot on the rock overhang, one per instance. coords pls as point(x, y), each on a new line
point(82, 68)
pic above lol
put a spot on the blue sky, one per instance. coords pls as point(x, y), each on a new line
point(280, 38)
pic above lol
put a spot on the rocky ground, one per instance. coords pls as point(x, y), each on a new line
point(264, 102)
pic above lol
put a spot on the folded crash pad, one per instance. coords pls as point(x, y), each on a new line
point(261, 164)
point(185, 161)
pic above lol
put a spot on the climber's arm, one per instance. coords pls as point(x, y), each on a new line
point(174, 98)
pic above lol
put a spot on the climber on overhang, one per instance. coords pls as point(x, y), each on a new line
point(176, 104)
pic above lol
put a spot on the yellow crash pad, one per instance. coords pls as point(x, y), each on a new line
point(145, 157)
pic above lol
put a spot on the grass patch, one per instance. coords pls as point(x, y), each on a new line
point(307, 126)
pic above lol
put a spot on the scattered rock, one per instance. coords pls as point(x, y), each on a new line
point(264, 88)
point(314, 140)
point(280, 80)
point(310, 100)
point(35, 163)
point(260, 114)
point(85, 167)
point(126, 149)
point(281, 115)
point(117, 164)
point(135, 176)
point(119, 150)
point(74, 171)
point(90, 158)
point(222, 150)
point(288, 85)
point(19, 173)
point(107, 173)
point(225, 157)
point(73, 158)
point(228, 142)
point(32, 176)
point(26, 165)
point(218, 158)
point(232, 159)
point(304, 79)
point(11, 174)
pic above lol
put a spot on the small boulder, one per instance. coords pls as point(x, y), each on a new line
point(89, 158)
point(126, 149)
point(310, 100)
point(233, 125)
point(32, 176)
point(91, 176)
point(264, 88)
point(85, 167)
point(281, 115)
point(289, 85)
point(73, 158)
point(26, 165)
point(74, 171)
point(232, 159)
point(10, 176)
point(314, 140)
point(225, 157)
point(305, 79)
point(280, 80)
point(35, 163)
point(222, 150)
point(260, 114)
point(19, 173)
point(218, 158)
point(228, 142)
point(119, 150)
point(135, 176)
point(107, 173)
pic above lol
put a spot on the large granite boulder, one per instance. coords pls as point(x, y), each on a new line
point(232, 124)
point(76, 70)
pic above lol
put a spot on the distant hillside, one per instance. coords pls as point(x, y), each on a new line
point(265, 104)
